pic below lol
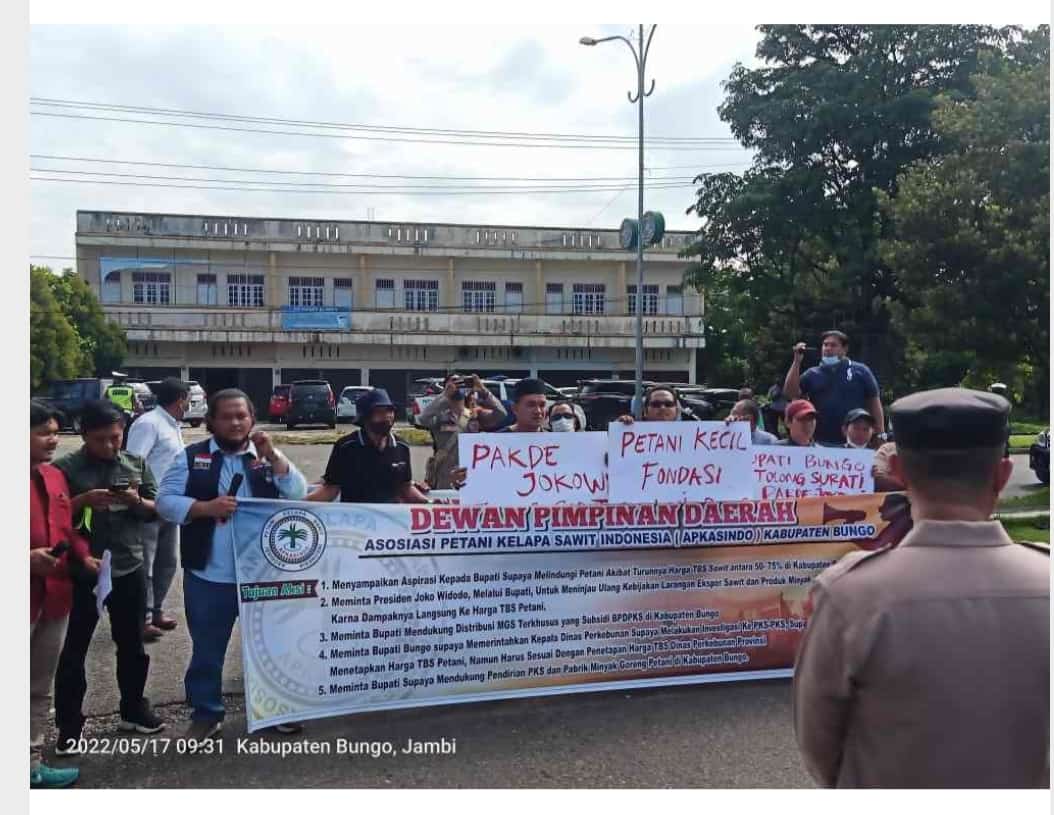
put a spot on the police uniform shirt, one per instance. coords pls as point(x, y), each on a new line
point(365, 474)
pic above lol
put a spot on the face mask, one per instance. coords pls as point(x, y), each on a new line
point(381, 428)
point(830, 360)
point(563, 425)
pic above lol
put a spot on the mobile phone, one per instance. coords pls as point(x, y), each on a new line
point(59, 549)
point(119, 486)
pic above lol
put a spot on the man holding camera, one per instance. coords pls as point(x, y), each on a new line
point(113, 495)
point(447, 418)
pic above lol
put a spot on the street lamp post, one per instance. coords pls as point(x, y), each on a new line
point(640, 57)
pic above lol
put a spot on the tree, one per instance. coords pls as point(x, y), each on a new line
point(102, 342)
point(834, 115)
point(970, 237)
point(54, 347)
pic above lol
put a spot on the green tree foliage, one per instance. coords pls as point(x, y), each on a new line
point(54, 347)
point(970, 241)
point(833, 115)
point(69, 333)
point(102, 341)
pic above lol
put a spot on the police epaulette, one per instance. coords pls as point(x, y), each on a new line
point(851, 561)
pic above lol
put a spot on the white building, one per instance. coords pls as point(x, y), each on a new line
point(254, 302)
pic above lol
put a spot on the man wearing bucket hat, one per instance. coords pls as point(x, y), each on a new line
point(370, 466)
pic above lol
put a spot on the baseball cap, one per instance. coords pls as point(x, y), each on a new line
point(799, 407)
point(857, 413)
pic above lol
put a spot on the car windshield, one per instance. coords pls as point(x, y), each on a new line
point(626, 387)
point(68, 390)
point(310, 390)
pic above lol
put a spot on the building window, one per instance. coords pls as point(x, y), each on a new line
point(306, 292)
point(384, 291)
point(343, 289)
point(245, 290)
point(674, 300)
point(207, 290)
point(478, 295)
point(421, 295)
point(514, 298)
point(151, 288)
point(554, 298)
point(651, 298)
point(588, 298)
point(111, 287)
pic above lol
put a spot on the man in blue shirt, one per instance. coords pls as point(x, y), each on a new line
point(194, 494)
point(836, 386)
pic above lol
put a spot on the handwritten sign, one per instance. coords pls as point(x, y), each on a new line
point(517, 469)
point(674, 461)
point(796, 472)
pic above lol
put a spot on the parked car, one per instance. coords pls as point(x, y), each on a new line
point(422, 392)
point(346, 411)
point(604, 400)
point(311, 401)
point(1039, 456)
point(279, 404)
point(69, 395)
point(569, 393)
point(197, 407)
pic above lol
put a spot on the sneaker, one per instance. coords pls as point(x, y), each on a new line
point(164, 622)
point(151, 633)
point(289, 728)
point(52, 778)
point(203, 729)
point(68, 745)
point(143, 721)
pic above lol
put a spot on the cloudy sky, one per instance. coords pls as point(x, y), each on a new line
point(506, 78)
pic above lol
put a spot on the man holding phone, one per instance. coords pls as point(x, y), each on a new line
point(112, 494)
point(200, 492)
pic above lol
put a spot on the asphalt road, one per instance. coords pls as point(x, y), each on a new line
point(724, 735)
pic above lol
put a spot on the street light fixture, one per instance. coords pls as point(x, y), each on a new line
point(640, 57)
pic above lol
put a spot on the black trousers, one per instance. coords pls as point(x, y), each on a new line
point(125, 606)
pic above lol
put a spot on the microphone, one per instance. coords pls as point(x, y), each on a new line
point(232, 490)
point(236, 483)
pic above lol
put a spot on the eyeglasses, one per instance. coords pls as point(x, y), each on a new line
point(662, 404)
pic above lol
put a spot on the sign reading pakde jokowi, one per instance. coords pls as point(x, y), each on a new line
point(355, 607)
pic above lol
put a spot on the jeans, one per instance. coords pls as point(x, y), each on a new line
point(125, 606)
point(160, 559)
point(45, 644)
point(211, 611)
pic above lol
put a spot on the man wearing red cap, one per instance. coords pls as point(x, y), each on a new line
point(800, 418)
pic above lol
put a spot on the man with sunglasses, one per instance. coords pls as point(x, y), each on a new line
point(660, 405)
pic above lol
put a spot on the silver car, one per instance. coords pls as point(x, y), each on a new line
point(346, 404)
point(195, 414)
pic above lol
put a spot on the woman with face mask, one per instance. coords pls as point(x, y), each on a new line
point(563, 419)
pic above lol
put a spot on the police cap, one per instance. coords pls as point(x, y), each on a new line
point(951, 419)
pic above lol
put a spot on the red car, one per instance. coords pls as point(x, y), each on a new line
point(279, 403)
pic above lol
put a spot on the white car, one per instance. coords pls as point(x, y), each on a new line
point(346, 403)
point(195, 414)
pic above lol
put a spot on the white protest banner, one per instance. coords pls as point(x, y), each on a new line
point(518, 469)
point(675, 461)
point(797, 472)
point(346, 608)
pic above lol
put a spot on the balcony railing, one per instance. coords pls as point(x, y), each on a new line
point(197, 319)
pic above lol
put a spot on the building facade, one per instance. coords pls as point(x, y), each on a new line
point(251, 303)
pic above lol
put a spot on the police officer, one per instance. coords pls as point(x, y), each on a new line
point(370, 465)
point(927, 664)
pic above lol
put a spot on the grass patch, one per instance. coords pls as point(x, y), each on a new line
point(1039, 499)
point(414, 436)
point(1020, 442)
point(1028, 426)
point(1037, 530)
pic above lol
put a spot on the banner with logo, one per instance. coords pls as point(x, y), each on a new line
point(348, 608)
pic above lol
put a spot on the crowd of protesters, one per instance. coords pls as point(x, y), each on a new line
point(137, 506)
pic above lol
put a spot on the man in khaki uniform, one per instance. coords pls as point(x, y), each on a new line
point(927, 664)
